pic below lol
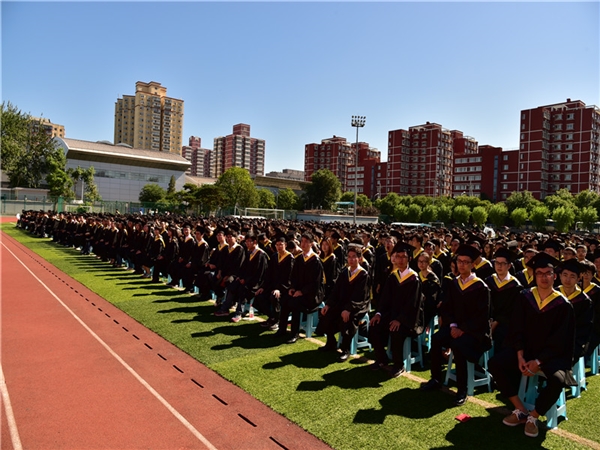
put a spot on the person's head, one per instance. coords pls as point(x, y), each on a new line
point(306, 241)
point(366, 238)
point(354, 255)
point(453, 266)
point(588, 270)
point(389, 243)
point(569, 275)
point(502, 261)
point(280, 245)
point(454, 246)
point(465, 257)
point(543, 266)
point(251, 241)
point(401, 255)
point(569, 253)
point(416, 240)
point(423, 261)
point(581, 251)
point(326, 247)
point(186, 230)
point(220, 236)
point(231, 237)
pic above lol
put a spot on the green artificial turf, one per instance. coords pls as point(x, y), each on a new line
point(345, 404)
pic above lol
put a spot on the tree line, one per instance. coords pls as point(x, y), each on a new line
point(30, 156)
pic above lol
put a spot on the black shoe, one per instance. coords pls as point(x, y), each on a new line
point(292, 340)
point(344, 356)
point(377, 366)
point(267, 323)
point(431, 385)
point(396, 372)
point(460, 399)
point(328, 348)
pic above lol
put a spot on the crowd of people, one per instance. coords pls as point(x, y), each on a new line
point(530, 299)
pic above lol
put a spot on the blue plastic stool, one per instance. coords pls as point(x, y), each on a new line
point(359, 341)
point(579, 374)
point(528, 392)
point(474, 378)
point(595, 360)
point(432, 327)
point(410, 357)
point(309, 324)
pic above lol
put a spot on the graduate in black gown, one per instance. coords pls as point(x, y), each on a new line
point(504, 289)
point(466, 326)
point(347, 304)
point(541, 339)
point(399, 313)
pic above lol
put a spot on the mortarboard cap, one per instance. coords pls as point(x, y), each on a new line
point(468, 250)
point(542, 260)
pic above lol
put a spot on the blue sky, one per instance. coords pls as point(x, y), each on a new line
point(297, 72)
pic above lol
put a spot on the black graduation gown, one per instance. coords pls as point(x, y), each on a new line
point(584, 318)
point(402, 300)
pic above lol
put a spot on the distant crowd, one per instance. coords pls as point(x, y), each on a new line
point(528, 301)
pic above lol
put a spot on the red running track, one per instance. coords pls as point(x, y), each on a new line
point(81, 374)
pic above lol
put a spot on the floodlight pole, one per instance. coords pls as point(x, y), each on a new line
point(358, 122)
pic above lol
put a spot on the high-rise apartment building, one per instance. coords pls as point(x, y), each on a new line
point(238, 150)
point(420, 161)
point(199, 157)
point(149, 119)
point(337, 155)
point(559, 149)
point(51, 129)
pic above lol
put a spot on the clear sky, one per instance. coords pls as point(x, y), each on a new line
point(297, 72)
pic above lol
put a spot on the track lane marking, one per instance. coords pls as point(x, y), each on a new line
point(10, 417)
point(138, 377)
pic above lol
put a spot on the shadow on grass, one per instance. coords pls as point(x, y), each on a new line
point(410, 403)
point(490, 433)
point(347, 377)
point(246, 335)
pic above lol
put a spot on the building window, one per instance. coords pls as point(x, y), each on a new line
point(522, 146)
point(569, 146)
point(522, 126)
point(505, 157)
point(569, 137)
point(569, 126)
point(570, 116)
point(505, 177)
point(505, 186)
point(505, 167)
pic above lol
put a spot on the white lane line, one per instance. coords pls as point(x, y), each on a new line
point(10, 417)
point(144, 383)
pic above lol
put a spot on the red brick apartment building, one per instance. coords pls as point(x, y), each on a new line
point(337, 155)
point(198, 156)
point(559, 148)
point(238, 150)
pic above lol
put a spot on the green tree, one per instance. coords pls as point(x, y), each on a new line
point(445, 213)
point(59, 182)
point(498, 214)
point(210, 197)
point(401, 213)
point(27, 152)
point(171, 188)
point(586, 198)
point(414, 213)
point(287, 199)
point(479, 215)
point(564, 218)
point(430, 214)
point(323, 190)
point(266, 199)
point(588, 216)
point(519, 216)
point(238, 187)
point(523, 199)
point(562, 197)
point(91, 193)
point(387, 205)
point(152, 193)
point(538, 217)
point(461, 214)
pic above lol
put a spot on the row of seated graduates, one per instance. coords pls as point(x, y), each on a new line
point(134, 239)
